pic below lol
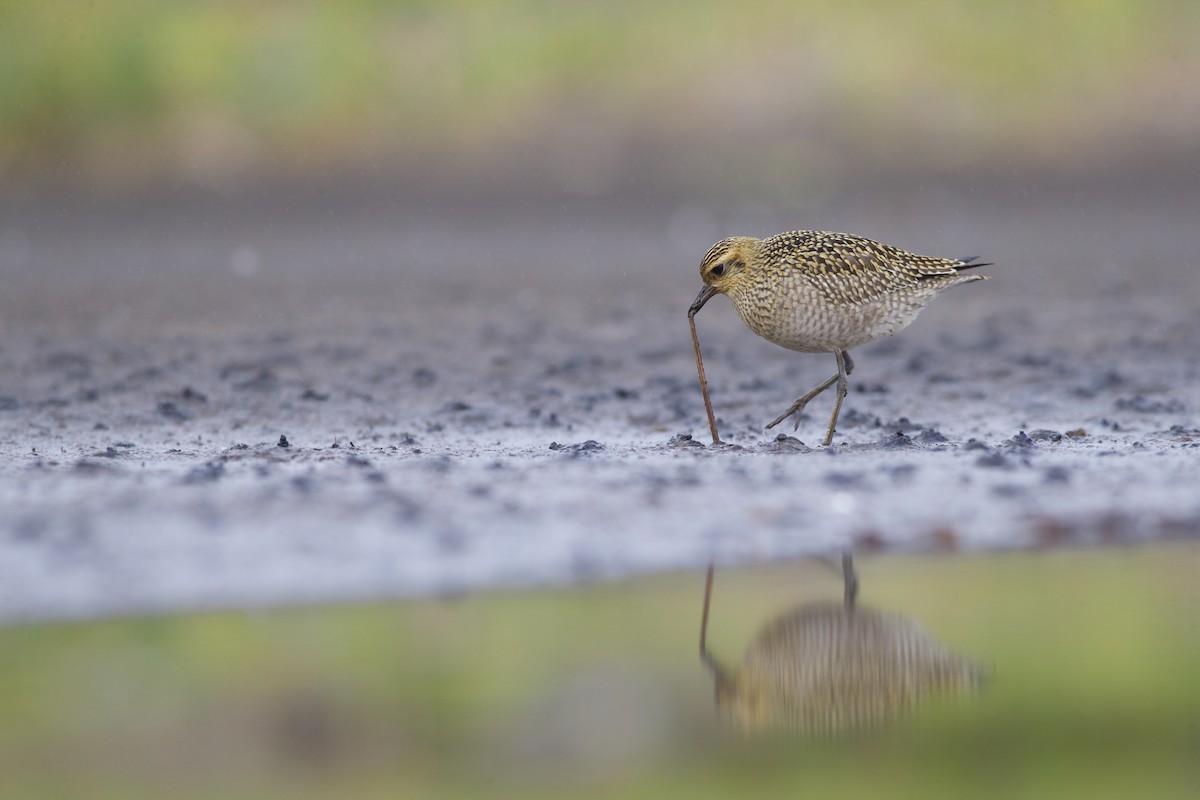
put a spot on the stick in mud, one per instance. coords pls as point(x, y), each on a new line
point(712, 421)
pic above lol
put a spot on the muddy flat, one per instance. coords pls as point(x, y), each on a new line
point(211, 402)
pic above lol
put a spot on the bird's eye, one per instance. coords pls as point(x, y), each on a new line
point(718, 270)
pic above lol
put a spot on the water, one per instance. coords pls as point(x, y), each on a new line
point(1071, 673)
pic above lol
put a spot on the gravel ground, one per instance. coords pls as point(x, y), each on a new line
point(210, 403)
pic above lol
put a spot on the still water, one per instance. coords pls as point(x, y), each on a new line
point(1050, 674)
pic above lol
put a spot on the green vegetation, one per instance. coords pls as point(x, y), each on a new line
point(135, 89)
point(599, 692)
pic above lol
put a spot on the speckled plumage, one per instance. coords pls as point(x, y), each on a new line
point(817, 292)
point(825, 668)
point(822, 292)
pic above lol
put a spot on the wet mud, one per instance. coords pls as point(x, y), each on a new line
point(382, 420)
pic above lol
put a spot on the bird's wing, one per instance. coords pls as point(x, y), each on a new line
point(852, 269)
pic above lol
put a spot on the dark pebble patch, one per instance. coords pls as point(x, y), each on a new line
point(682, 440)
point(756, 385)
point(89, 467)
point(205, 473)
point(579, 448)
point(283, 441)
point(1021, 441)
point(854, 418)
point(994, 460)
point(783, 443)
point(844, 480)
point(193, 396)
point(975, 444)
point(1044, 435)
point(263, 381)
point(550, 420)
point(1106, 381)
point(74, 366)
point(1181, 434)
point(902, 424)
point(918, 363)
point(931, 436)
point(1144, 405)
point(1034, 360)
point(897, 441)
point(173, 412)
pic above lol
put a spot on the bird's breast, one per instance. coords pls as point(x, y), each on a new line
point(797, 315)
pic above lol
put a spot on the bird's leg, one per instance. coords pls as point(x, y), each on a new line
point(798, 407)
point(849, 581)
point(845, 367)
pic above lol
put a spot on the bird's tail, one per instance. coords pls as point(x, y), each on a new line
point(970, 263)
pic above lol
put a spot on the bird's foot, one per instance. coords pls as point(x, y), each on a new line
point(797, 409)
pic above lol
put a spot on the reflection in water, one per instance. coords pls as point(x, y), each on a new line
point(830, 667)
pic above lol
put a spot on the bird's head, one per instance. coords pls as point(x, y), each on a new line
point(723, 267)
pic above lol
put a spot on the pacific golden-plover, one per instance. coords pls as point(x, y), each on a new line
point(826, 669)
point(820, 292)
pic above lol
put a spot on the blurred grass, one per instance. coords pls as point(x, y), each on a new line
point(134, 90)
point(599, 692)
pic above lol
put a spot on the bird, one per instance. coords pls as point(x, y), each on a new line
point(825, 669)
point(821, 292)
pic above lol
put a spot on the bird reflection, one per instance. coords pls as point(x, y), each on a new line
point(829, 668)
